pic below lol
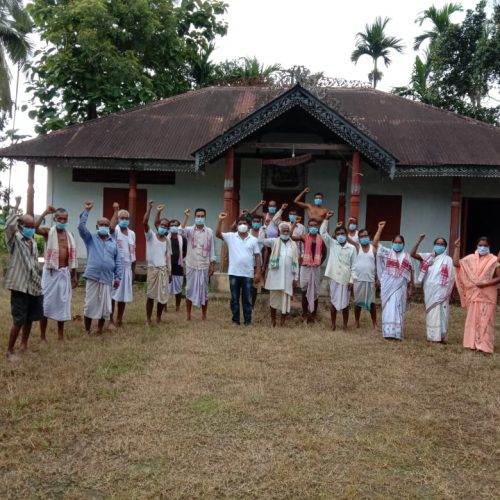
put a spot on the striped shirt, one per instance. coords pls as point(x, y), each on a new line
point(22, 273)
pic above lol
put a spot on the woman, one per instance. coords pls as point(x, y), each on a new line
point(437, 275)
point(396, 285)
point(283, 271)
point(477, 279)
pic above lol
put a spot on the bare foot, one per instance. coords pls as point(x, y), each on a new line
point(334, 327)
point(43, 340)
point(119, 323)
point(188, 318)
point(111, 326)
point(356, 324)
point(13, 358)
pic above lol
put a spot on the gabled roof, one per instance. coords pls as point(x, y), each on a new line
point(165, 134)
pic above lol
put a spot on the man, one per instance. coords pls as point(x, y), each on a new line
point(179, 249)
point(282, 273)
point(159, 255)
point(364, 274)
point(256, 231)
point(59, 270)
point(352, 230)
point(298, 228)
point(125, 240)
point(314, 211)
point(243, 251)
point(270, 226)
point(200, 261)
point(22, 278)
point(103, 272)
point(339, 268)
point(310, 270)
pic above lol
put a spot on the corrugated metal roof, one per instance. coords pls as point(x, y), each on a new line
point(171, 129)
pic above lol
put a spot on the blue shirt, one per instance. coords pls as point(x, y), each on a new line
point(104, 262)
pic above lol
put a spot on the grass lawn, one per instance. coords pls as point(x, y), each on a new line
point(209, 410)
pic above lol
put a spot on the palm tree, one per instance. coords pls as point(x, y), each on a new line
point(246, 71)
point(375, 43)
point(440, 18)
point(15, 24)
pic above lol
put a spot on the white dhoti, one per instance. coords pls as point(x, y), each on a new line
point(57, 293)
point(437, 322)
point(124, 292)
point(364, 294)
point(175, 286)
point(197, 286)
point(339, 295)
point(157, 280)
point(97, 300)
point(280, 300)
point(310, 282)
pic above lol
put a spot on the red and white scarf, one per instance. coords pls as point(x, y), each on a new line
point(394, 268)
point(424, 268)
point(52, 250)
point(308, 259)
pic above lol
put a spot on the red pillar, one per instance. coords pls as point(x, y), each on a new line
point(456, 205)
point(231, 199)
point(355, 185)
point(30, 199)
point(132, 196)
point(342, 190)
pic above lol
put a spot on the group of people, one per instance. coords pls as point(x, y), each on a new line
point(264, 246)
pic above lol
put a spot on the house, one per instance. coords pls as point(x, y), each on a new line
point(374, 155)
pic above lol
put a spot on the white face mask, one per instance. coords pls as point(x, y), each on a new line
point(242, 228)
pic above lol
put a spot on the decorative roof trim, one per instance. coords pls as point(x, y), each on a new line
point(449, 171)
point(297, 97)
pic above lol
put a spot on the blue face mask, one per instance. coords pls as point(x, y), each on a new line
point(397, 247)
point(103, 230)
point(313, 230)
point(352, 227)
point(364, 241)
point(200, 221)
point(285, 237)
point(439, 249)
point(483, 250)
point(318, 201)
point(272, 210)
point(174, 229)
point(256, 225)
point(124, 223)
point(292, 218)
point(162, 231)
point(28, 232)
point(341, 238)
point(61, 225)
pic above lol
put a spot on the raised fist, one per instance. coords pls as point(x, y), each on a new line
point(244, 212)
point(421, 237)
point(381, 224)
point(222, 215)
point(150, 204)
point(50, 210)
point(340, 223)
point(330, 214)
point(116, 206)
point(284, 206)
point(18, 201)
point(457, 243)
point(160, 207)
point(89, 205)
point(307, 190)
point(187, 212)
point(262, 203)
point(298, 218)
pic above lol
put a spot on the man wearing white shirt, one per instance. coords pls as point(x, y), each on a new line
point(244, 254)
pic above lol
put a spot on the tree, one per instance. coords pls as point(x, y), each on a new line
point(15, 25)
point(107, 55)
point(441, 20)
point(245, 71)
point(374, 42)
point(420, 88)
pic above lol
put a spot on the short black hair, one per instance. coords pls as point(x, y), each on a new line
point(172, 221)
point(340, 228)
point(319, 194)
point(61, 210)
point(399, 236)
point(200, 210)
point(364, 230)
point(313, 220)
point(165, 219)
point(242, 218)
point(485, 238)
point(440, 238)
point(257, 217)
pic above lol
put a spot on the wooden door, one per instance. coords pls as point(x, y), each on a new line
point(120, 195)
point(281, 197)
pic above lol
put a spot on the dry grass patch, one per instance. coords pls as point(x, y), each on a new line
point(208, 410)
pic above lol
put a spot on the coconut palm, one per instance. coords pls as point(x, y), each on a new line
point(440, 19)
point(15, 24)
point(374, 42)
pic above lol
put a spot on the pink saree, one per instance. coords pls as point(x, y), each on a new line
point(481, 303)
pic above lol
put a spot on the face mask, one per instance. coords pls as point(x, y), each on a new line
point(397, 247)
point(483, 250)
point(313, 230)
point(199, 221)
point(364, 241)
point(439, 249)
point(285, 237)
point(174, 229)
point(162, 231)
point(28, 232)
point(341, 238)
point(352, 227)
point(124, 223)
point(61, 225)
point(318, 201)
point(242, 228)
point(103, 230)
point(272, 210)
point(256, 225)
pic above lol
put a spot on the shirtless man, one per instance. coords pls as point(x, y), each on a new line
point(314, 211)
point(59, 270)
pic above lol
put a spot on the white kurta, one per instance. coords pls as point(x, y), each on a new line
point(283, 277)
point(126, 247)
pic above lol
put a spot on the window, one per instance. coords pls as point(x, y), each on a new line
point(383, 207)
point(121, 176)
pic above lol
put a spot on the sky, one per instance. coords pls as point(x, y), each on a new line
point(318, 34)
